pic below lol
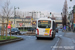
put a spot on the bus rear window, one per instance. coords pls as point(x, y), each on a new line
point(44, 24)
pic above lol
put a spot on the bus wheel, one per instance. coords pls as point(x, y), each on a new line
point(53, 36)
point(37, 37)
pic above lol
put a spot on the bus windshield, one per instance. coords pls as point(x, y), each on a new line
point(44, 24)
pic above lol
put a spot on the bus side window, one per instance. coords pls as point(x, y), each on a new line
point(53, 25)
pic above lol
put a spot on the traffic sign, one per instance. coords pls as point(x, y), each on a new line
point(20, 24)
point(31, 18)
point(34, 23)
point(9, 21)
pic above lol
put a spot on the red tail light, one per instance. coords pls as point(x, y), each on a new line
point(37, 31)
point(50, 31)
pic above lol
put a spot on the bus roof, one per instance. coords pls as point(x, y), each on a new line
point(45, 19)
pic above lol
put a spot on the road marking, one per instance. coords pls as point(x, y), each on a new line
point(55, 44)
point(73, 40)
point(58, 35)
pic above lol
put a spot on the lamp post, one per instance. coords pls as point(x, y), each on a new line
point(15, 13)
point(32, 15)
point(70, 0)
point(62, 19)
point(32, 18)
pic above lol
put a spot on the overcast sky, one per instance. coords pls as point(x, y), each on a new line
point(39, 5)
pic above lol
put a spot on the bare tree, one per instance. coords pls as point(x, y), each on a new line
point(6, 12)
point(64, 13)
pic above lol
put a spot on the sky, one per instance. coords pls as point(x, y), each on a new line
point(39, 5)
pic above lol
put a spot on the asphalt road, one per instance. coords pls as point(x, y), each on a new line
point(31, 43)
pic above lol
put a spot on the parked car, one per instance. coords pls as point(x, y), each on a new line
point(60, 27)
point(15, 31)
point(57, 30)
point(32, 29)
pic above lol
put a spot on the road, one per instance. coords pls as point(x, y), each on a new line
point(31, 43)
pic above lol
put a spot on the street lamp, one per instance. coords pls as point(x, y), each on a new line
point(70, 0)
point(32, 14)
point(70, 7)
point(15, 13)
point(62, 19)
point(40, 13)
point(32, 18)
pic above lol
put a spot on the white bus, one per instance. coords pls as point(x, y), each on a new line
point(45, 28)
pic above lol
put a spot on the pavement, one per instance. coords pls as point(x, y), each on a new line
point(23, 32)
point(66, 42)
point(9, 41)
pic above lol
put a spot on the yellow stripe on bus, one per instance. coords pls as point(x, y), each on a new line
point(47, 30)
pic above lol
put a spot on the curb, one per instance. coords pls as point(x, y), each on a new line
point(30, 34)
point(10, 41)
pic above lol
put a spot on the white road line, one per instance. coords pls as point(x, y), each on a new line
point(55, 44)
point(58, 35)
point(73, 40)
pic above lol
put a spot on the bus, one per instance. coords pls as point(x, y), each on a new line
point(45, 27)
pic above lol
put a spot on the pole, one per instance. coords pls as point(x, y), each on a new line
point(22, 25)
point(32, 21)
point(3, 29)
point(3, 26)
point(10, 31)
point(1, 32)
point(6, 30)
point(40, 14)
point(14, 15)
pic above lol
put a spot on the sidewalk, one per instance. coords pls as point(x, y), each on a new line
point(66, 42)
point(23, 32)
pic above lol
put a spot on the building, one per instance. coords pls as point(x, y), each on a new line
point(28, 19)
point(74, 18)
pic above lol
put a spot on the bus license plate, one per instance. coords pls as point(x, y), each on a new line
point(46, 34)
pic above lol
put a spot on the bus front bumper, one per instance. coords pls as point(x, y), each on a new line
point(43, 36)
